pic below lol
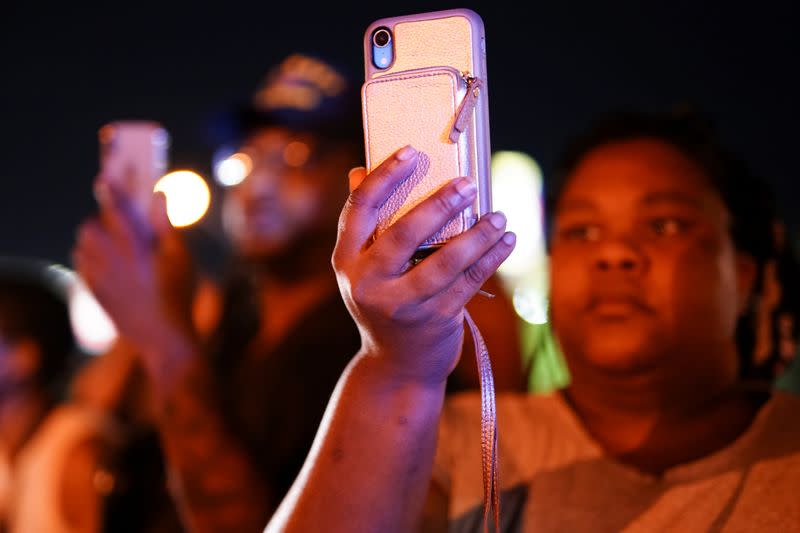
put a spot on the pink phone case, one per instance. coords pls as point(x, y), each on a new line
point(133, 154)
point(415, 101)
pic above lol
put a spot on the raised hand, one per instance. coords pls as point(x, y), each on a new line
point(137, 267)
point(413, 317)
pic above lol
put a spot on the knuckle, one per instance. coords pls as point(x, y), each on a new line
point(356, 199)
point(444, 259)
point(419, 284)
point(382, 171)
point(360, 293)
point(476, 273)
point(402, 234)
point(495, 257)
point(444, 202)
point(487, 233)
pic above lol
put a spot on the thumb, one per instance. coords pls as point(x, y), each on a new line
point(158, 214)
point(356, 176)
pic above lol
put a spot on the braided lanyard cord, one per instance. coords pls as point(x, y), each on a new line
point(491, 498)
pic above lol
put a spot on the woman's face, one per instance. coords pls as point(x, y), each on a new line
point(645, 278)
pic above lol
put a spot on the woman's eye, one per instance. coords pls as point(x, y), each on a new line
point(667, 227)
point(581, 232)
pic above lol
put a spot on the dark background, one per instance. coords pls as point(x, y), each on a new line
point(552, 65)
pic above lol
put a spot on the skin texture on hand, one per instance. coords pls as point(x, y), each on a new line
point(420, 307)
point(382, 420)
point(138, 268)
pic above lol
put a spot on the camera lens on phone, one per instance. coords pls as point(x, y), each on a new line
point(381, 37)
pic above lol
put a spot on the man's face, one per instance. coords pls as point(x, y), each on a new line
point(284, 195)
point(645, 278)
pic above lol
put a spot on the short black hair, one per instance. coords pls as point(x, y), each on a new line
point(749, 199)
point(34, 306)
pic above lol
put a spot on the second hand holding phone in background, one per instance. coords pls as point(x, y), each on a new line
point(134, 156)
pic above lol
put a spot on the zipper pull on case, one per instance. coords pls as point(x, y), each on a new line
point(467, 106)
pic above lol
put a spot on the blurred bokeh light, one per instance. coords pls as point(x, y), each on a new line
point(233, 169)
point(188, 197)
point(517, 192)
point(93, 329)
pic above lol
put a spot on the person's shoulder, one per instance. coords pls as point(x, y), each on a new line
point(779, 426)
point(782, 413)
point(536, 432)
point(514, 409)
point(536, 404)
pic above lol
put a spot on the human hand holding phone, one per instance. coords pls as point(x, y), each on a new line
point(409, 312)
point(411, 319)
point(133, 157)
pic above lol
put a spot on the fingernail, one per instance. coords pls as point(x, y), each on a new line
point(465, 187)
point(497, 219)
point(406, 153)
point(509, 238)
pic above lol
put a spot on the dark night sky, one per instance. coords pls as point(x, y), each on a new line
point(66, 71)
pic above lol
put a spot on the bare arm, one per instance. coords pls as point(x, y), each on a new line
point(211, 476)
point(80, 501)
point(371, 462)
point(139, 274)
point(376, 429)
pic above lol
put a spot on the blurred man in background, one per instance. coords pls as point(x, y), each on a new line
point(240, 375)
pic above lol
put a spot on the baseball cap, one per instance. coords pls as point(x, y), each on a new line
point(302, 93)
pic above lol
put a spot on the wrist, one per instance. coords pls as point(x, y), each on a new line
point(168, 354)
point(422, 364)
point(391, 374)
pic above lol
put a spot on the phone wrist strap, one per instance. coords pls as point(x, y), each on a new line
point(491, 497)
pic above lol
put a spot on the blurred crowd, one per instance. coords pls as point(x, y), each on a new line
point(202, 413)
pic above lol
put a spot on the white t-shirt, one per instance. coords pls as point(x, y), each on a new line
point(554, 477)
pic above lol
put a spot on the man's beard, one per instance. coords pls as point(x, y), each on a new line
point(306, 255)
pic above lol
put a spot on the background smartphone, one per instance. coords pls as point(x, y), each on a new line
point(134, 154)
point(419, 69)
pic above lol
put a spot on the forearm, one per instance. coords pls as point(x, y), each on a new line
point(211, 476)
point(371, 462)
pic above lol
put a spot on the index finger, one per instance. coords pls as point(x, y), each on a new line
point(360, 214)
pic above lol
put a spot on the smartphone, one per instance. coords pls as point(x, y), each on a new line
point(426, 85)
point(134, 155)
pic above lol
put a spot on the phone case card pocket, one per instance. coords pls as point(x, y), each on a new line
point(419, 108)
